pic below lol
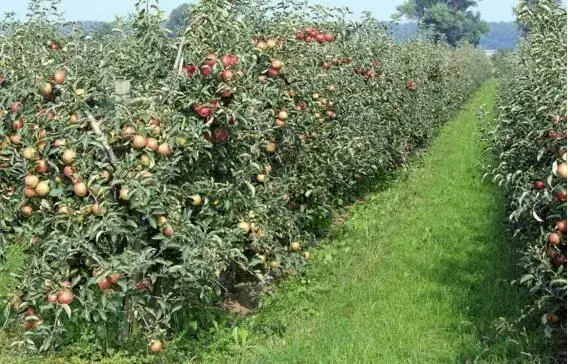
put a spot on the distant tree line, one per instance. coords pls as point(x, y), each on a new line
point(499, 35)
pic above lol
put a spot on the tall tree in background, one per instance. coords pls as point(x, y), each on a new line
point(453, 20)
point(177, 20)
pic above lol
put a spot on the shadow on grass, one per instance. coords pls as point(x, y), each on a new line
point(481, 274)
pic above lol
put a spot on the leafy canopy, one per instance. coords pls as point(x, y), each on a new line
point(452, 20)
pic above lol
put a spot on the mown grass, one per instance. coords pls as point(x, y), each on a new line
point(418, 274)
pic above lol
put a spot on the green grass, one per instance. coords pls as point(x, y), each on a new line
point(418, 274)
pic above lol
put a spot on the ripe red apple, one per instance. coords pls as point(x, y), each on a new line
point(189, 69)
point(277, 64)
point(168, 231)
point(114, 278)
point(30, 312)
point(203, 111)
point(41, 133)
point(234, 59)
point(226, 92)
point(96, 210)
point(164, 149)
point(143, 284)
point(273, 72)
point(261, 45)
point(220, 135)
point(15, 138)
point(104, 284)
point(59, 77)
point(326, 65)
point(68, 171)
point(154, 122)
point(226, 60)
point(539, 185)
point(554, 239)
point(308, 39)
point(58, 143)
point(152, 144)
point(29, 192)
point(31, 181)
point(41, 166)
point(52, 298)
point(560, 195)
point(206, 70)
point(299, 36)
point(16, 107)
point(552, 317)
point(329, 37)
point(559, 259)
point(312, 32)
point(26, 211)
point(320, 38)
point(17, 124)
point(211, 60)
point(65, 297)
point(226, 75)
point(561, 226)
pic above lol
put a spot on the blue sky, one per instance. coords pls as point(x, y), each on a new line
point(491, 10)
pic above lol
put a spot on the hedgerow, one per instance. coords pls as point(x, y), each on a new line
point(150, 174)
point(529, 141)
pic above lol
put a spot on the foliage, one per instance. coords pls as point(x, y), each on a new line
point(391, 260)
point(529, 140)
point(451, 20)
point(172, 168)
point(177, 21)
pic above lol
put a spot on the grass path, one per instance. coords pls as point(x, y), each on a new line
point(418, 273)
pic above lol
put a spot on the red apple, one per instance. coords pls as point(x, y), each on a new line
point(538, 185)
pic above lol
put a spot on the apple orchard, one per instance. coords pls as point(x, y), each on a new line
point(147, 174)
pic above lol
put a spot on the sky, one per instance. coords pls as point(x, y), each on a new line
point(106, 10)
